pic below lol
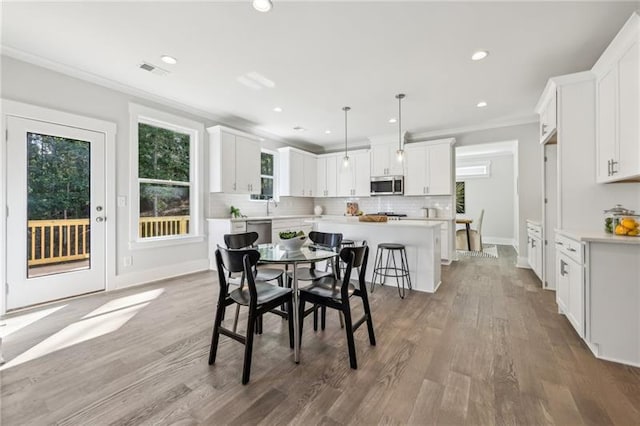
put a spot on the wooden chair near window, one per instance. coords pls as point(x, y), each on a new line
point(258, 296)
point(334, 293)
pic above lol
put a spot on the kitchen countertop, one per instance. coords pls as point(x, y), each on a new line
point(597, 237)
point(354, 221)
point(534, 222)
point(244, 219)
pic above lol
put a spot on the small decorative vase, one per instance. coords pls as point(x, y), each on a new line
point(317, 210)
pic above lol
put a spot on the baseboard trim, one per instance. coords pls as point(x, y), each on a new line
point(498, 241)
point(523, 263)
point(160, 273)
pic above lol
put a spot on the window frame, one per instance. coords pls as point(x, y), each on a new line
point(141, 114)
point(486, 164)
point(275, 196)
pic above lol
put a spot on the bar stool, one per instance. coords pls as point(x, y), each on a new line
point(399, 273)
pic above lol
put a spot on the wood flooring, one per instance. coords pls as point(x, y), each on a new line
point(488, 348)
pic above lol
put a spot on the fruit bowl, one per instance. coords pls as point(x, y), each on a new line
point(293, 244)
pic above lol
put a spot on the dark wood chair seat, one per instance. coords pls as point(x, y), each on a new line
point(266, 293)
point(329, 287)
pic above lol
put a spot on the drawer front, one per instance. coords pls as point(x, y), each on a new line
point(569, 247)
point(238, 227)
point(534, 231)
point(286, 224)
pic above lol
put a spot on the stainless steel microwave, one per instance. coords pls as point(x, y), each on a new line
point(387, 185)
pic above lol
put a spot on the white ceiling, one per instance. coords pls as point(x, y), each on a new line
point(324, 55)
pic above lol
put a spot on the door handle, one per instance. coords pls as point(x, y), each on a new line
point(563, 272)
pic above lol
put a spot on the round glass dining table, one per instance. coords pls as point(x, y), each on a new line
point(275, 254)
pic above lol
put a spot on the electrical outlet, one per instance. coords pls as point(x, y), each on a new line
point(127, 261)
point(122, 201)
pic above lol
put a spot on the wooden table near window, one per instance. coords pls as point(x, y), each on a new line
point(467, 225)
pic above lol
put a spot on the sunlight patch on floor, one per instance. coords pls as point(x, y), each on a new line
point(18, 322)
point(103, 320)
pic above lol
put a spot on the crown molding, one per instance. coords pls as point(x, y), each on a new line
point(235, 122)
point(422, 136)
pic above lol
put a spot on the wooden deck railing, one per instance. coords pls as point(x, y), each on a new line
point(56, 241)
point(64, 240)
point(163, 226)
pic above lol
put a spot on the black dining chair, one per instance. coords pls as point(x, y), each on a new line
point(336, 294)
point(258, 296)
point(247, 240)
point(326, 241)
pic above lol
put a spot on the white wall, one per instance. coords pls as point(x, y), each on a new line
point(494, 194)
point(39, 86)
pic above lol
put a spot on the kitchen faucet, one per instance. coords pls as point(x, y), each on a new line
point(269, 200)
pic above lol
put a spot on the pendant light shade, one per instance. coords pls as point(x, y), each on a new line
point(345, 160)
point(400, 151)
point(262, 5)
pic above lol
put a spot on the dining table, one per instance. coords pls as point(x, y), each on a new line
point(467, 224)
point(276, 254)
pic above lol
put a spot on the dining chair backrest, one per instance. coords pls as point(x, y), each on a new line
point(240, 241)
point(244, 261)
point(354, 257)
point(326, 239)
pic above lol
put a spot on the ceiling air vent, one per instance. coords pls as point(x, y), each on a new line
point(153, 69)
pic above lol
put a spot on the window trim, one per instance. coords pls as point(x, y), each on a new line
point(275, 177)
point(141, 114)
point(473, 164)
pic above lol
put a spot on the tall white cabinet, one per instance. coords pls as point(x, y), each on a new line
point(327, 175)
point(354, 179)
point(618, 106)
point(429, 167)
point(298, 172)
point(234, 161)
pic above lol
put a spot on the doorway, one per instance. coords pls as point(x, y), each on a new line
point(56, 230)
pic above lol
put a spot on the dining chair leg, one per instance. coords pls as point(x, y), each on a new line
point(301, 308)
point(248, 348)
point(367, 312)
point(323, 317)
point(348, 326)
point(290, 321)
point(235, 319)
point(216, 333)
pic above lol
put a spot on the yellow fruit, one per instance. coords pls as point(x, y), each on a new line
point(629, 223)
point(621, 230)
point(633, 233)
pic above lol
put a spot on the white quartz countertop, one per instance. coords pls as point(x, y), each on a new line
point(283, 217)
point(534, 222)
point(597, 237)
point(391, 223)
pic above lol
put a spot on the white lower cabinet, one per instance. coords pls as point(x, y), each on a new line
point(535, 248)
point(570, 282)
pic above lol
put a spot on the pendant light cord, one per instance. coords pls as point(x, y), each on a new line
point(400, 97)
point(345, 109)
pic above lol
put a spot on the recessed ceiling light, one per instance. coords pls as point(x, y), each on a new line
point(479, 55)
point(277, 109)
point(393, 120)
point(169, 59)
point(262, 5)
point(327, 132)
point(481, 104)
point(299, 129)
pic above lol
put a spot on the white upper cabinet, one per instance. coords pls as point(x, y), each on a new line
point(549, 118)
point(618, 106)
point(297, 173)
point(327, 173)
point(384, 161)
point(355, 179)
point(234, 161)
point(428, 168)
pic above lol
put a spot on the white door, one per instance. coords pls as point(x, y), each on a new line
point(379, 160)
point(247, 166)
point(321, 177)
point(606, 124)
point(309, 174)
point(332, 176)
point(415, 171)
point(439, 170)
point(56, 229)
point(296, 174)
point(362, 175)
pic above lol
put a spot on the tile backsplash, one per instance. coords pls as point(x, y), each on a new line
point(411, 206)
point(219, 205)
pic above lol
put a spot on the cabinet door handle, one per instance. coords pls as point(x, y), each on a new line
point(571, 249)
point(559, 243)
point(533, 243)
point(544, 129)
point(613, 170)
point(563, 271)
point(427, 189)
point(234, 186)
point(608, 167)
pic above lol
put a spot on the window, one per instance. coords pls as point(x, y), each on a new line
point(460, 202)
point(164, 199)
point(267, 176)
point(477, 169)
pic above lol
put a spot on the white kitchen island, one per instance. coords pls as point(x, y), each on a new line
point(421, 239)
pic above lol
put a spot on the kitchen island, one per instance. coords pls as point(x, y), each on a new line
point(421, 239)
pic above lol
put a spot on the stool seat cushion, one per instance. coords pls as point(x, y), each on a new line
point(391, 246)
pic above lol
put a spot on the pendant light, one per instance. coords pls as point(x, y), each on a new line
point(400, 151)
point(345, 160)
point(262, 5)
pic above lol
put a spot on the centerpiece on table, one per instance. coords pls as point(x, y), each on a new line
point(292, 240)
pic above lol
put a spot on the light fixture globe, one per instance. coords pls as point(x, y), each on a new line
point(262, 5)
